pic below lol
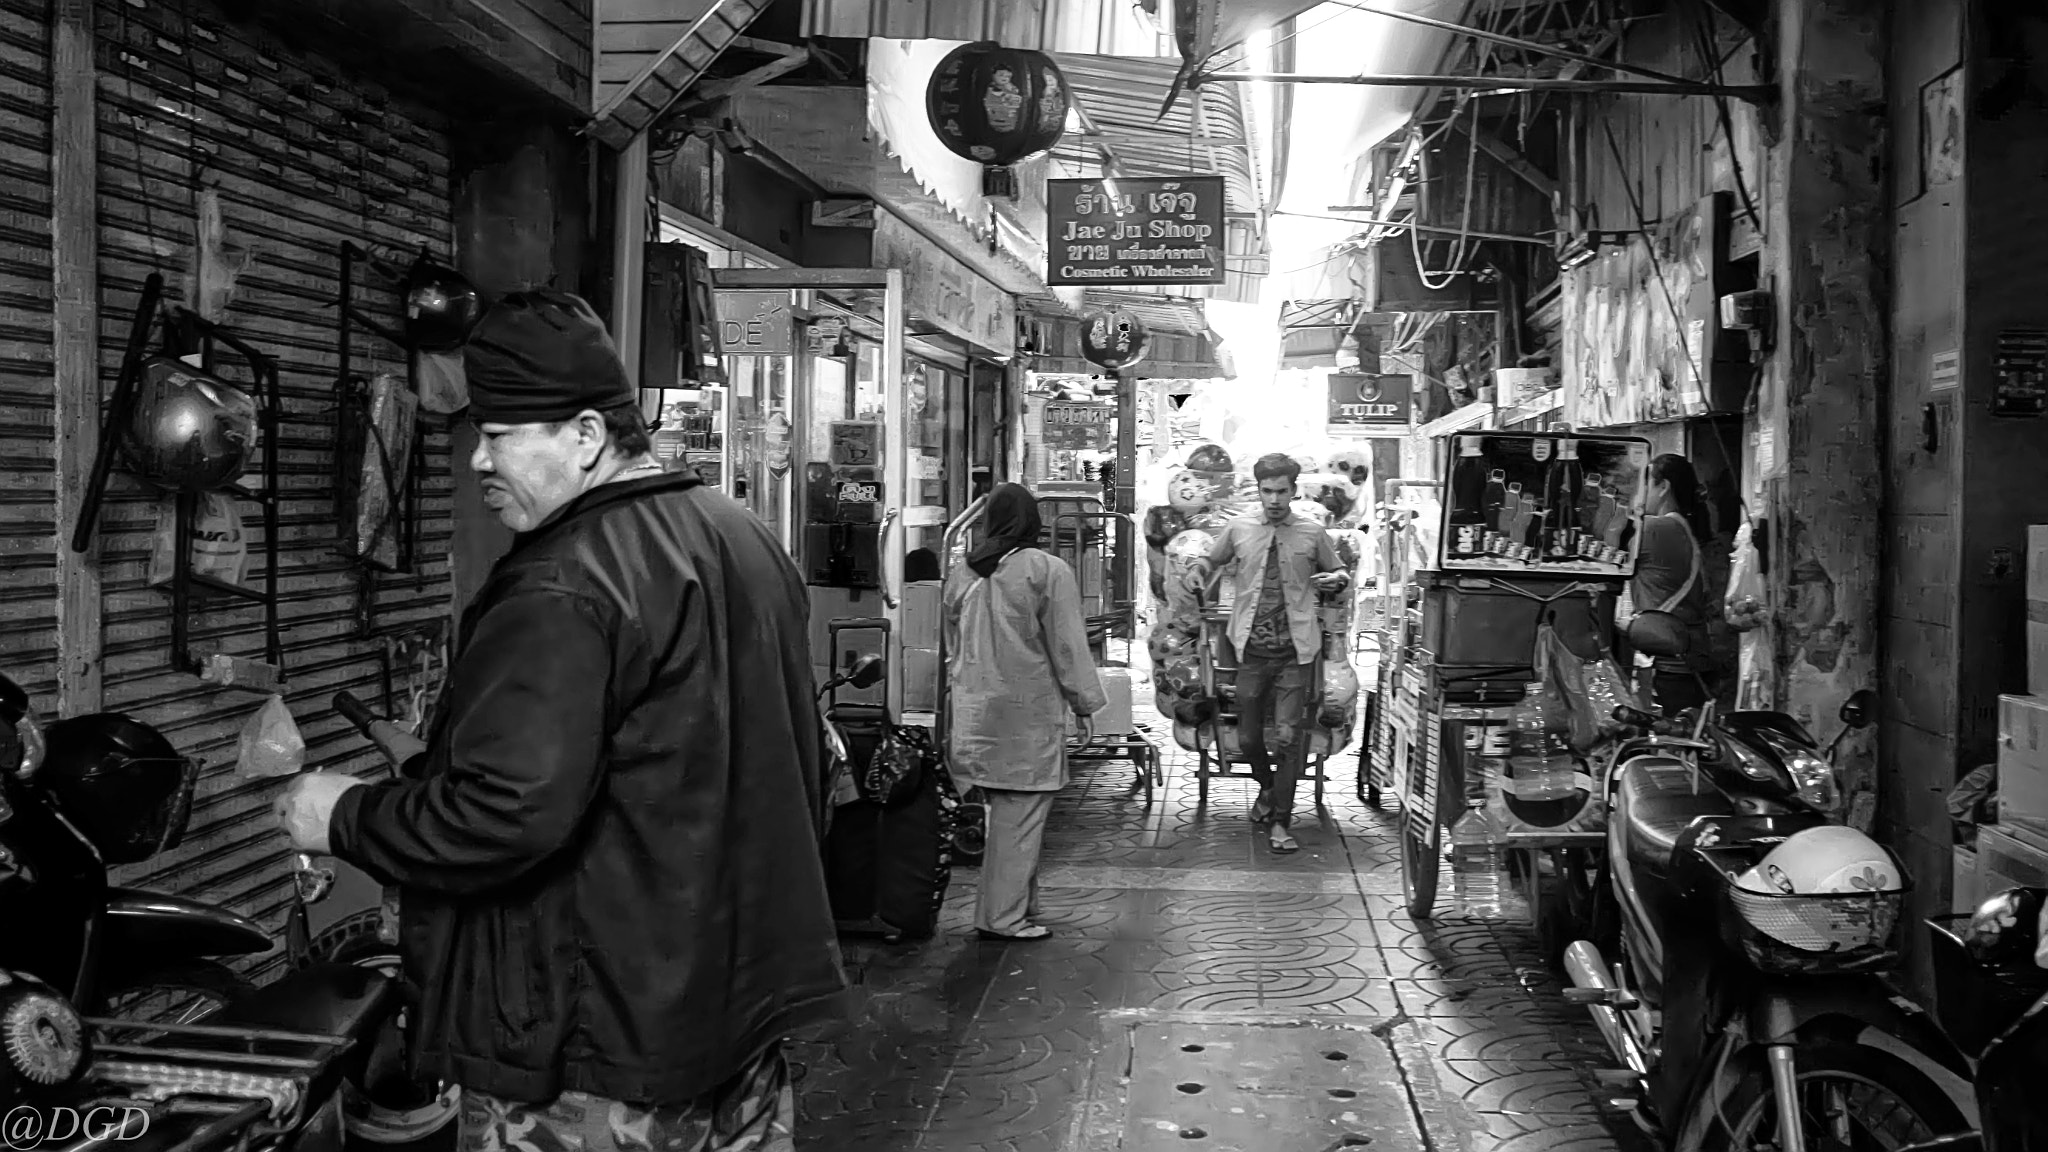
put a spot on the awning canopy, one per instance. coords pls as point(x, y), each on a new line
point(1205, 132)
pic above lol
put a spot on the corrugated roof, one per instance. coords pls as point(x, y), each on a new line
point(1121, 99)
point(1160, 313)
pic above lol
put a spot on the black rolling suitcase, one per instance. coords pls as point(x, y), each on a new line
point(887, 863)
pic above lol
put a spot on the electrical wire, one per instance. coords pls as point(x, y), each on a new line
point(1704, 34)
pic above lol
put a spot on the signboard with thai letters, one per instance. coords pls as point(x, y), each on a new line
point(942, 290)
point(1110, 232)
point(1072, 427)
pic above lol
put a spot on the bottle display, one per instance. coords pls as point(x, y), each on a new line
point(1519, 501)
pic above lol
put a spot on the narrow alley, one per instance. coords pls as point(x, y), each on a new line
point(1200, 991)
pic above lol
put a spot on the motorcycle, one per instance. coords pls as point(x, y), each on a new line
point(1991, 996)
point(82, 795)
point(264, 1074)
point(1749, 929)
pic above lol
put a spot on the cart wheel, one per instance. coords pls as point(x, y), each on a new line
point(1421, 867)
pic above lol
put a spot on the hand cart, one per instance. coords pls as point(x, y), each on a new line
point(1460, 651)
point(1215, 741)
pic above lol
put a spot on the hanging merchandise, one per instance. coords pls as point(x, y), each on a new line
point(997, 106)
point(443, 381)
point(189, 430)
point(219, 546)
point(370, 504)
point(1745, 602)
point(271, 744)
point(441, 307)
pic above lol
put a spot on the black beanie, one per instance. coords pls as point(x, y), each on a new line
point(541, 357)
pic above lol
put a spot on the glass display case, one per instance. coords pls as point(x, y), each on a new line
point(1543, 503)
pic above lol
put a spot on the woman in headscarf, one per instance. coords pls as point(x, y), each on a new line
point(1018, 668)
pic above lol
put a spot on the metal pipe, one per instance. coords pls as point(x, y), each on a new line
point(1546, 241)
point(1515, 42)
point(1756, 93)
point(1586, 970)
point(1785, 1085)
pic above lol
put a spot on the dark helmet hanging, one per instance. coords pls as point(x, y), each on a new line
point(121, 783)
point(440, 306)
point(189, 430)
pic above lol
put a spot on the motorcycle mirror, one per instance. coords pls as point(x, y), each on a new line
point(1860, 709)
point(866, 672)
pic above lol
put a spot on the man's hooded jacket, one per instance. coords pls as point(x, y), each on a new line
point(608, 856)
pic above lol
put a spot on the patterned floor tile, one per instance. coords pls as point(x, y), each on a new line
point(1177, 911)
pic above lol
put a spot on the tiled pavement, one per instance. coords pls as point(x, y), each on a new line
point(1201, 992)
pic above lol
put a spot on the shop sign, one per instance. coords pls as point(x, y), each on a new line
point(856, 444)
point(1361, 399)
point(755, 323)
point(1078, 427)
point(1102, 233)
point(944, 291)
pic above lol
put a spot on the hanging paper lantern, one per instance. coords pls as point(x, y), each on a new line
point(997, 106)
point(1114, 339)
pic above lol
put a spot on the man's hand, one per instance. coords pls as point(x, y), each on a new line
point(1084, 729)
point(1197, 579)
point(1327, 581)
point(395, 743)
point(306, 805)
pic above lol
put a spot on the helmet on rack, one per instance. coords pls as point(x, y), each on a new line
point(121, 783)
point(1831, 860)
point(189, 430)
point(1187, 493)
point(1210, 458)
point(440, 306)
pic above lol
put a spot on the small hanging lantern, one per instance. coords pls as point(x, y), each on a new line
point(1114, 339)
point(997, 106)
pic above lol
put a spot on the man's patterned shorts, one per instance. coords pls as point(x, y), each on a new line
point(755, 1111)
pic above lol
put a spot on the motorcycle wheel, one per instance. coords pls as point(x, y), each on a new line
point(1852, 1097)
point(391, 1111)
point(182, 993)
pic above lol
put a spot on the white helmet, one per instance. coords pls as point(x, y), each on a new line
point(1829, 860)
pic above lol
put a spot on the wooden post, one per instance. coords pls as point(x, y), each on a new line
point(74, 229)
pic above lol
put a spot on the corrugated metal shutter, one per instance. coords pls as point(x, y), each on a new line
point(28, 573)
point(304, 154)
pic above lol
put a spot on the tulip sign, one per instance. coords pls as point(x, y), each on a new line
point(1364, 398)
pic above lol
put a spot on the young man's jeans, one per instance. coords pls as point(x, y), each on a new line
point(1272, 691)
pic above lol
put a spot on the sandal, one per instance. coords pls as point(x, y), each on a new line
point(1282, 840)
point(1029, 933)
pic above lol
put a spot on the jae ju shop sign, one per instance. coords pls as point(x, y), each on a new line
point(1366, 400)
point(1107, 232)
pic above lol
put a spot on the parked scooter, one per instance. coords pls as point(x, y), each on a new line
point(1991, 996)
point(267, 1073)
point(83, 795)
point(1746, 930)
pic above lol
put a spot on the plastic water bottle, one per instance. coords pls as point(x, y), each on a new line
point(1540, 764)
point(1478, 866)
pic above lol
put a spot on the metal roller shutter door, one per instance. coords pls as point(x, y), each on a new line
point(28, 493)
point(304, 152)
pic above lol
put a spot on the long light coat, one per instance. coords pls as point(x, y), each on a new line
point(1017, 667)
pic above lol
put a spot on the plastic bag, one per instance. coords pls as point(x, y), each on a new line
point(271, 744)
point(1337, 710)
point(443, 382)
point(1974, 802)
point(387, 462)
point(1744, 605)
point(1591, 690)
point(220, 549)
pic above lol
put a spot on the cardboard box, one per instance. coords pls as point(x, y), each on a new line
point(2022, 757)
point(2037, 563)
point(920, 679)
point(1115, 718)
point(2010, 856)
point(1965, 895)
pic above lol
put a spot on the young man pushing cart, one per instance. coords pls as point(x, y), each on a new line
point(1283, 560)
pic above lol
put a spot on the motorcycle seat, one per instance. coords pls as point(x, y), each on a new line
point(1656, 800)
point(325, 999)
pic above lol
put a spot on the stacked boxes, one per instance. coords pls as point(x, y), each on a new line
point(922, 601)
point(2016, 848)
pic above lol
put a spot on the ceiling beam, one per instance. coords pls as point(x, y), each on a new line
point(1510, 159)
point(1758, 93)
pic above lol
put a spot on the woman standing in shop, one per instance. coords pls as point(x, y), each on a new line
point(1018, 668)
point(1670, 590)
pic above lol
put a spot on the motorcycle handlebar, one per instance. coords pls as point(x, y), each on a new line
point(355, 711)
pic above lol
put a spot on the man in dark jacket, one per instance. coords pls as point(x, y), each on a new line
point(612, 896)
